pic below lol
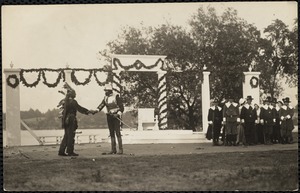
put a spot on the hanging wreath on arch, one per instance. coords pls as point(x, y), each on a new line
point(254, 82)
point(9, 81)
point(75, 80)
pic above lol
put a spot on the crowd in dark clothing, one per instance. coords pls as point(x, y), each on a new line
point(244, 123)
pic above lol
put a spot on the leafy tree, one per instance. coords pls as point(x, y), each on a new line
point(278, 57)
point(227, 45)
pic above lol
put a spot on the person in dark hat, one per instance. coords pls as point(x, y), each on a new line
point(115, 108)
point(248, 117)
point(268, 119)
point(275, 138)
point(286, 114)
point(69, 122)
point(215, 116)
point(231, 118)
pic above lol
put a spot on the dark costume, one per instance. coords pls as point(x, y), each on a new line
point(69, 123)
point(231, 117)
point(113, 105)
point(286, 113)
point(215, 115)
point(259, 128)
point(267, 116)
point(276, 137)
point(248, 115)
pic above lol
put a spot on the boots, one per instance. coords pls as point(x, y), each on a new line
point(234, 137)
point(120, 145)
point(113, 146)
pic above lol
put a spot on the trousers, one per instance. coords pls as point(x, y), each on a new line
point(68, 140)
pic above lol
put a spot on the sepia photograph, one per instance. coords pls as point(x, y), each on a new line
point(190, 96)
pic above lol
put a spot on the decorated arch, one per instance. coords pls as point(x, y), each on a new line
point(119, 63)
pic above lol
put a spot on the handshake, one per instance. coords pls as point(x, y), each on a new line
point(92, 112)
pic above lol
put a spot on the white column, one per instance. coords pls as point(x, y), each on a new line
point(162, 101)
point(248, 89)
point(68, 76)
point(205, 100)
point(13, 117)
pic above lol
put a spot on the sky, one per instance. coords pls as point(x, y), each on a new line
point(52, 36)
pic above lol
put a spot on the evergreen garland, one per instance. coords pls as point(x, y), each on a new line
point(137, 64)
point(75, 80)
point(59, 77)
point(25, 83)
point(98, 81)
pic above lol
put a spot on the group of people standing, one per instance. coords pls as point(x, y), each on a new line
point(248, 124)
point(69, 106)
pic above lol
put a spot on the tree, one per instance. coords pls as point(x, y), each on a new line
point(227, 45)
point(278, 57)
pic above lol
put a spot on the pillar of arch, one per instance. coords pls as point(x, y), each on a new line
point(144, 63)
point(13, 116)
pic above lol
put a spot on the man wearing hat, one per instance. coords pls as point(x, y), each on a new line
point(248, 117)
point(276, 128)
point(231, 119)
point(268, 119)
point(286, 114)
point(69, 122)
point(115, 108)
point(215, 115)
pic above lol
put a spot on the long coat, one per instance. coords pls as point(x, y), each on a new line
point(286, 114)
point(231, 116)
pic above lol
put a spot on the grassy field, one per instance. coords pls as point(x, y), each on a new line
point(263, 170)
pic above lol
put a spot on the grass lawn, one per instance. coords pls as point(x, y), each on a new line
point(263, 170)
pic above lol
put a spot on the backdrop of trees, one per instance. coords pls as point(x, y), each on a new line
point(49, 120)
point(225, 43)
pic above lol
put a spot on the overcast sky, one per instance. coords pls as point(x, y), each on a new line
point(50, 36)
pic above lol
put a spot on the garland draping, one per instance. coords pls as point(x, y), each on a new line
point(98, 81)
point(9, 83)
point(137, 64)
point(254, 82)
point(25, 83)
point(61, 75)
point(76, 82)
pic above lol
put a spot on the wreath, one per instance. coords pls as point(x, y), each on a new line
point(254, 82)
point(16, 81)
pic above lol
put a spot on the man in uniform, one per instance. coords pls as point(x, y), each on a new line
point(69, 122)
point(231, 119)
point(248, 117)
point(115, 108)
point(268, 119)
point(286, 114)
point(215, 121)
